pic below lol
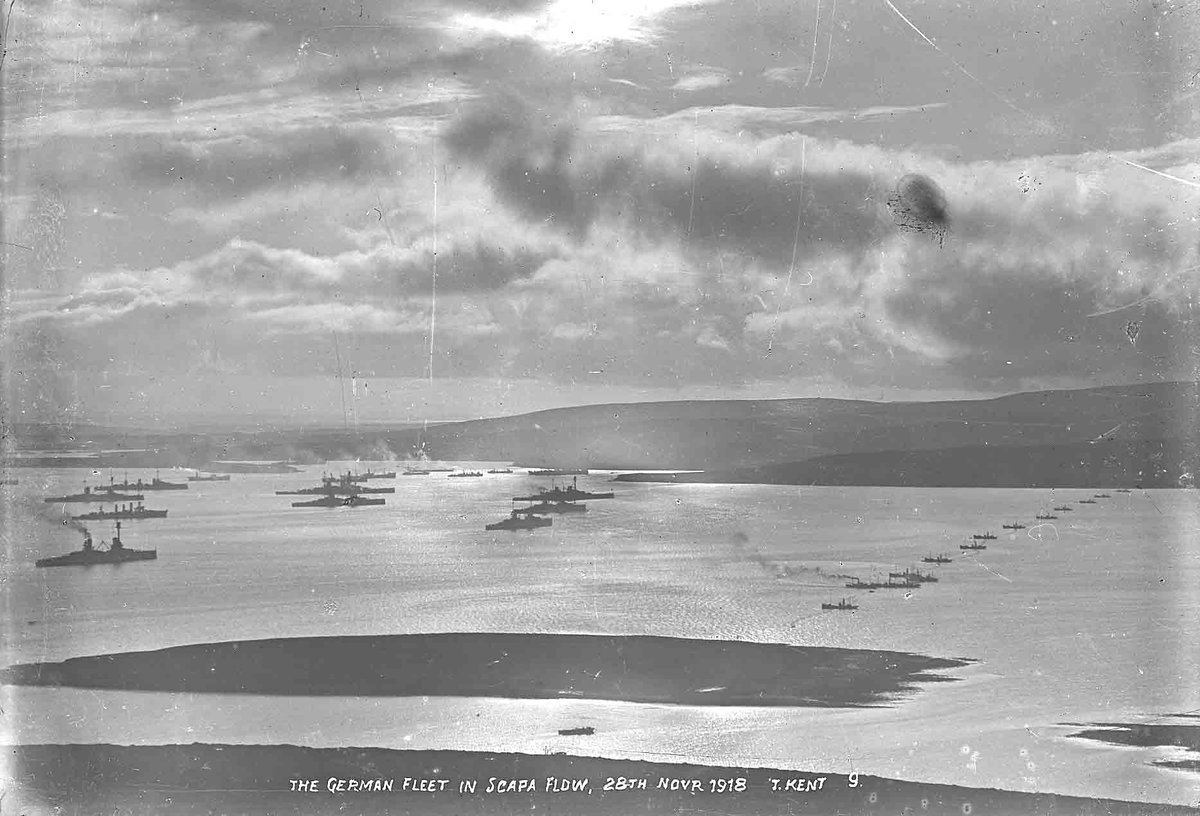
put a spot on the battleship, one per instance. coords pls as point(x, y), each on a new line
point(89, 495)
point(115, 554)
point(352, 500)
point(517, 521)
point(154, 484)
point(915, 576)
point(553, 507)
point(127, 512)
point(984, 537)
point(843, 604)
point(936, 559)
point(368, 475)
point(1016, 525)
point(974, 545)
point(209, 477)
point(1045, 517)
point(889, 584)
point(557, 493)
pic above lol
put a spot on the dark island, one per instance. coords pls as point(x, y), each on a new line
point(533, 666)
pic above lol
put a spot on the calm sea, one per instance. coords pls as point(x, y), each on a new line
point(1091, 617)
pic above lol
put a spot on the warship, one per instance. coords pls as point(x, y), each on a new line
point(115, 554)
point(984, 537)
point(464, 474)
point(553, 507)
point(1088, 501)
point(936, 559)
point(154, 484)
point(843, 604)
point(1064, 509)
point(974, 545)
point(516, 521)
point(1016, 525)
point(340, 501)
point(1045, 517)
point(557, 493)
point(89, 495)
point(209, 477)
point(127, 512)
point(914, 576)
point(560, 472)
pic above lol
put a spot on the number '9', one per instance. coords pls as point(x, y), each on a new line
point(853, 780)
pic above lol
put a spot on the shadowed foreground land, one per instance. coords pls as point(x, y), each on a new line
point(196, 779)
point(599, 667)
point(1150, 735)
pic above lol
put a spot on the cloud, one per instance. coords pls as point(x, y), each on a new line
point(564, 25)
point(701, 78)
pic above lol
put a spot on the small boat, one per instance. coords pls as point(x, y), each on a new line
point(936, 559)
point(340, 501)
point(1045, 517)
point(115, 554)
point(984, 537)
point(1016, 525)
point(516, 521)
point(126, 512)
point(843, 604)
point(209, 477)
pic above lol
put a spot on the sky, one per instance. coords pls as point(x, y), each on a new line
point(396, 211)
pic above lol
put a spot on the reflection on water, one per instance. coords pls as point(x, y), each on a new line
point(1088, 618)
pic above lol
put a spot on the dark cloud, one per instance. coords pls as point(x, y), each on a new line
point(548, 170)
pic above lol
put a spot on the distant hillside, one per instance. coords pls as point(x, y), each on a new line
point(1103, 464)
point(733, 434)
point(724, 436)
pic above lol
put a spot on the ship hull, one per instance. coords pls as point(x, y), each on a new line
point(554, 508)
point(87, 559)
point(336, 502)
point(106, 498)
point(531, 523)
point(147, 514)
